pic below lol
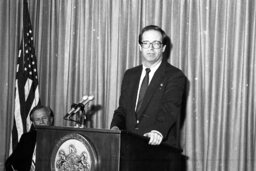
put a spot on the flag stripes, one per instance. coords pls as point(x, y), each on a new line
point(26, 87)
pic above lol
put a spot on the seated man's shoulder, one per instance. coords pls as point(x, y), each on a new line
point(28, 136)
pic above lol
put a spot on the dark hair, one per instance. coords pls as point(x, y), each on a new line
point(156, 28)
point(47, 109)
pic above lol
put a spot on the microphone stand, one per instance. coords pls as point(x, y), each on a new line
point(78, 118)
point(67, 116)
point(81, 116)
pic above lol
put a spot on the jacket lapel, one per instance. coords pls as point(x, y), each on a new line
point(135, 86)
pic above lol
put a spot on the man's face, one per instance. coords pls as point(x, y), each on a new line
point(154, 52)
point(40, 117)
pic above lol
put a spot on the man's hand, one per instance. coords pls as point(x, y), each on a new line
point(115, 128)
point(155, 137)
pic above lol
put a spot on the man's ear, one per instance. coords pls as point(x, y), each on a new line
point(51, 121)
point(163, 49)
point(140, 47)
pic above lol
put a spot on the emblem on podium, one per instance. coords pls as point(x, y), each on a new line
point(73, 152)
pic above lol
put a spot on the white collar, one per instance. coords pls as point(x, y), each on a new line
point(153, 67)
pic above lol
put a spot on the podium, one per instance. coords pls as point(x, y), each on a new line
point(84, 149)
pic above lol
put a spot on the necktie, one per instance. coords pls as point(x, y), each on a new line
point(143, 88)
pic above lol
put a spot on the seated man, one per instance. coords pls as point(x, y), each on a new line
point(21, 158)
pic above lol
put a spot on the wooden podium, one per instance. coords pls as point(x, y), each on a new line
point(60, 148)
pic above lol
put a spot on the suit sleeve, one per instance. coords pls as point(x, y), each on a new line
point(171, 103)
point(21, 157)
point(120, 113)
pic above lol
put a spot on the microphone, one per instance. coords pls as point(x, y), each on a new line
point(74, 107)
point(83, 103)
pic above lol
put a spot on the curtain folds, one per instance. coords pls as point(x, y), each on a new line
point(83, 48)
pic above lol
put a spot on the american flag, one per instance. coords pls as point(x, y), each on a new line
point(26, 87)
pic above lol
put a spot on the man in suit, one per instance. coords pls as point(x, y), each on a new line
point(21, 158)
point(154, 113)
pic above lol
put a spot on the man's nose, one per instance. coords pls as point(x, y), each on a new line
point(151, 46)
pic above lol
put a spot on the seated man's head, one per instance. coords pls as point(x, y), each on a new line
point(41, 115)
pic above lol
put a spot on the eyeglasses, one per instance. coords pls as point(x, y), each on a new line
point(155, 44)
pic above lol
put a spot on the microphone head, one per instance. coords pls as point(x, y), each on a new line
point(90, 98)
point(84, 98)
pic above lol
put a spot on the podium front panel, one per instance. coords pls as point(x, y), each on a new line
point(60, 148)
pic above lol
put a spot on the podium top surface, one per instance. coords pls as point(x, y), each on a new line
point(39, 127)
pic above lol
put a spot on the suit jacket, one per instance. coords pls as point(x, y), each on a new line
point(21, 157)
point(161, 106)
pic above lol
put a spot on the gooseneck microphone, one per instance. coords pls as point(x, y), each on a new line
point(77, 107)
point(74, 107)
point(83, 103)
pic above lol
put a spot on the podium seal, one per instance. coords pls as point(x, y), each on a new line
point(73, 152)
